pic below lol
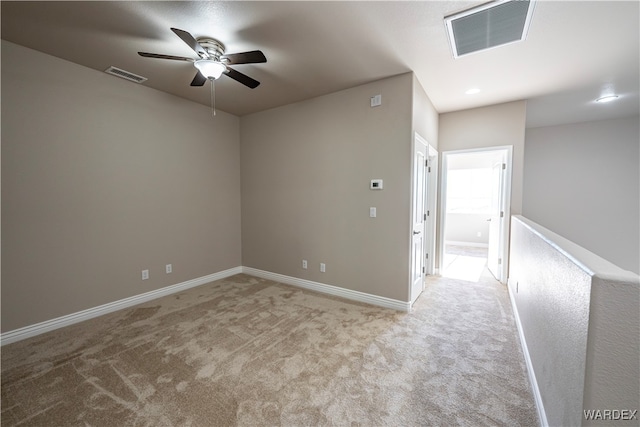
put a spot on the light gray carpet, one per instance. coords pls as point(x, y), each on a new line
point(248, 351)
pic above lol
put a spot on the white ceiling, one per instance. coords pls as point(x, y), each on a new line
point(575, 50)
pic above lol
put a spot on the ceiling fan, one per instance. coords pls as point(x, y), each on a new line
point(212, 61)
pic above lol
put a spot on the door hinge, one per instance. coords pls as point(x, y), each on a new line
point(501, 214)
point(504, 166)
point(425, 217)
point(426, 163)
point(422, 270)
point(427, 258)
point(429, 169)
point(499, 261)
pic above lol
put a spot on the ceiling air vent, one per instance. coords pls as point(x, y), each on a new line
point(125, 74)
point(488, 26)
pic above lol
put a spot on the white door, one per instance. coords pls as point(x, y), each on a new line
point(418, 220)
point(494, 256)
point(430, 205)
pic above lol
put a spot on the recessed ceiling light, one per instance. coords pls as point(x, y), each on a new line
point(473, 91)
point(607, 98)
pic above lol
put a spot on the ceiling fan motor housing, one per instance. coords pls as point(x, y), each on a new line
point(214, 48)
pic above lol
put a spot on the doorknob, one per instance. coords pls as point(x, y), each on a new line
point(488, 219)
point(416, 232)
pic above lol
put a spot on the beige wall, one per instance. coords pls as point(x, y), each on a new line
point(425, 116)
point(306, 169)
point(582, 181)
point(102, 178)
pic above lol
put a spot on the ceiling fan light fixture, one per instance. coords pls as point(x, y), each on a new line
point(209, 68)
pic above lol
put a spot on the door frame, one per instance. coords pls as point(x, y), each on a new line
point(506, 194)
point(418, 218)
point(430, 202)
point(431, 205)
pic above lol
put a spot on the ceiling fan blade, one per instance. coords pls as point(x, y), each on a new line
point(242, 78)
point(253, 57)
point(160, 56)
point(191, 42)
point(198, 80)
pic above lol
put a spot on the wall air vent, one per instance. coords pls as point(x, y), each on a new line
point(125, 74)
point(488, 26)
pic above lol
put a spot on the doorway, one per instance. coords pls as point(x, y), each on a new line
point(476, 189)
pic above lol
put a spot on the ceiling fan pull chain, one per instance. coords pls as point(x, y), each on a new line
point(213, 98)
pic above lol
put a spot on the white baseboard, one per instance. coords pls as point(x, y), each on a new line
point(527, 358)
point(59, 322)
point(469, 244)
point(331, 290)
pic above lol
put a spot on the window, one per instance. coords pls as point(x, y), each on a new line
point(469, 191)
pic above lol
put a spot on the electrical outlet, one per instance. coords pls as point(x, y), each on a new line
point(168, 268)
point(145, 274)
point(304, 264)
point(323, 267)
